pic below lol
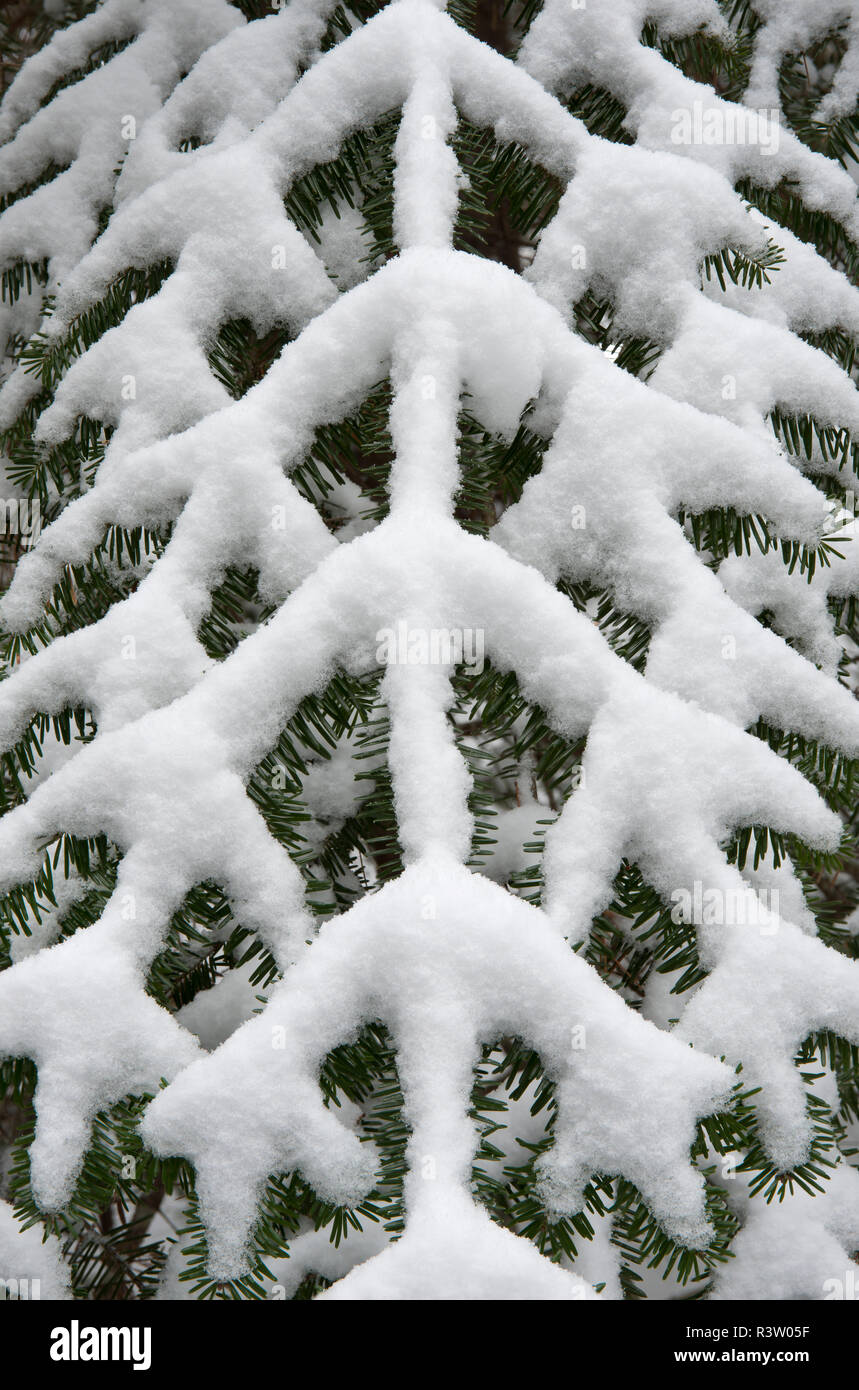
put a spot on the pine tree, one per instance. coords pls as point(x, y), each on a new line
point(428, 853)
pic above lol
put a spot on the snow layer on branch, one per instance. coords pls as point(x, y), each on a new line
point(237, 193)
point(86, 128)
point(792, 27)
point(312, 1252)
point(571, 522)
point(644, 250)
point(476, 1260)
point(800, 611)
point(215, 104)
point(800, 1248)
point(756, 367)
point(508, 972)
point(25, 1258)
point(567, 47)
